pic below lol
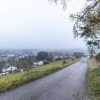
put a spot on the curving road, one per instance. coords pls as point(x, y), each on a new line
point(67, 84)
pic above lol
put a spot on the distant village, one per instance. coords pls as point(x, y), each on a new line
point(12, 61)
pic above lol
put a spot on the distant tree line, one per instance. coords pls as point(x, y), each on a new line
point(44, 56)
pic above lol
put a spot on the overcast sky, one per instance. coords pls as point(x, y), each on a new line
point(38, 24)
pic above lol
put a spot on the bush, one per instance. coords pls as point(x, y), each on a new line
point(98, 57)
point(64, 62)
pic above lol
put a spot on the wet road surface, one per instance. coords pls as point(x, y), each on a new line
point(67, 84)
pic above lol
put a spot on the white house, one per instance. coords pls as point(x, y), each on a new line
point(8, 68)
point(38, 63)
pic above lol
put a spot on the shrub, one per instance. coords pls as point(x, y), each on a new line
point(64, 62)
point(98, 57)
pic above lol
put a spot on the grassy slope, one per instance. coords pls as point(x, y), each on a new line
point(14, 80)
point(94, 80)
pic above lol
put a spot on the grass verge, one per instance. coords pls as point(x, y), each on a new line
point(94, 80)
point(15, 80)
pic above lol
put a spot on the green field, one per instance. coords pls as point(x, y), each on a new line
point(94, 80)
point(15, 80)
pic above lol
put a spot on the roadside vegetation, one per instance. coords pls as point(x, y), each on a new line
point(15, 80)
point(94, 80)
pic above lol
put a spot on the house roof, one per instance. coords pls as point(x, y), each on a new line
point(7, 66)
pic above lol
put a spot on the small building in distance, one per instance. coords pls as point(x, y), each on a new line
point(9, 68)
point(38, 63)
point(78, 54)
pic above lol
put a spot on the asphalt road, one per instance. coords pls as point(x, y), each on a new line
point(67, 84)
